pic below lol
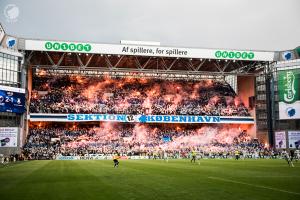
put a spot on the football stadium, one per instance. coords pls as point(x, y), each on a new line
point(139, 120)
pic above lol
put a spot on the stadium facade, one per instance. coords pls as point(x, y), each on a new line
point(253, 75)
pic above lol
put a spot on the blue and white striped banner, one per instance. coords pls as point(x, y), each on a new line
point(141, 118)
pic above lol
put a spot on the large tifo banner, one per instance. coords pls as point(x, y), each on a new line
point(8, 136)
point(280, 140)
point(294, 139)
point(12, 99)
point(141, 118)
point(289, 94)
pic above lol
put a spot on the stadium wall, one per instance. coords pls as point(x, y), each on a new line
point(12, 80)
point(283, 124)
point(29, 89)
point(246, 91)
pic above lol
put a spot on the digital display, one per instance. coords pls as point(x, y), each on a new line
point(11, 101)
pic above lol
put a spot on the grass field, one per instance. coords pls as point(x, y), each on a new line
point(148, 179)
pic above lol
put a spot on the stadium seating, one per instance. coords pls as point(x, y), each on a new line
point(137, 139)
point(83, 94)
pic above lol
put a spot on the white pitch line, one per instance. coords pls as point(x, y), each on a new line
point(258, 186)
point(269, 176)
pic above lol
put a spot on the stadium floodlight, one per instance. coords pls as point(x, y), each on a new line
point(133, 42)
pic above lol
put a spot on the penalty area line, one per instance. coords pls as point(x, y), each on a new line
point(249, 184)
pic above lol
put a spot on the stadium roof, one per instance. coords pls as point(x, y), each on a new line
point(147, 50)
point(84, 56)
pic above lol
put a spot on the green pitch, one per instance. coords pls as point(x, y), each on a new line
point(148, 179)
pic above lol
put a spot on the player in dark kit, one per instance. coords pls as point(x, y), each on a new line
point(116, 160)
point(292, 154)
point(287, 157)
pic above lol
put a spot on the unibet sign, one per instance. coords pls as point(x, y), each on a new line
point(58, 46)
point(234, 55)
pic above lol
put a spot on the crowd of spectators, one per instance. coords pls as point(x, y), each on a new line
point(127, 95)
point(136, 139)
point(11, 158)
point(106, 95)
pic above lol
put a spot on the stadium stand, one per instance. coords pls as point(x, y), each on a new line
point(83, 94)
point(141, 140)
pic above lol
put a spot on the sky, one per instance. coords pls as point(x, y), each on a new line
point(231, 24)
